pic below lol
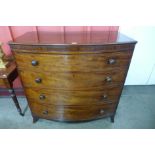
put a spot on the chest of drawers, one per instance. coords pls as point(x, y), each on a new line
point(73, 80)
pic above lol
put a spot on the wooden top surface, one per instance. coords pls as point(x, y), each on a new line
point(5, 72)
point(72, 38)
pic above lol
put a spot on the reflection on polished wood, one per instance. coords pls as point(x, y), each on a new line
point(73, 38)
point(73, 76)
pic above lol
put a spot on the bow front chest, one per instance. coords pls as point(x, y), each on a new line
point(73, 76)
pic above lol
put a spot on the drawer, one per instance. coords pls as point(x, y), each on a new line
point(72, 80)
point(77, 62)
point(71, 113)
point(59, 97)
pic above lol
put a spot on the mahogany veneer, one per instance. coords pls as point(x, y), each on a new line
point(74, 79)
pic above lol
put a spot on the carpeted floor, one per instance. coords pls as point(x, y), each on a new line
point(136, 110)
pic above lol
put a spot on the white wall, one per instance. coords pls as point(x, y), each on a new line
point(142, 68)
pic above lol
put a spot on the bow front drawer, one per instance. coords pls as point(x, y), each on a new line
point(77, 62)
point(59, 97)
point(70, 113)
point(72, 80)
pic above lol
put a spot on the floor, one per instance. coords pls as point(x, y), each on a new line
point(136, 110)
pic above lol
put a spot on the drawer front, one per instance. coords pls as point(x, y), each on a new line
point(58, 97)
point(73, 81)
point(71, 113)
point(77, 62)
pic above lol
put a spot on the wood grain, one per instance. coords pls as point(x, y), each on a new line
point(70, 113)
point(59, 97)
point(73, 82)
point(62, 63)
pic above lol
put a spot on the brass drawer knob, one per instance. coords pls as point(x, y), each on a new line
point(108, 79)
point(34, 63)
point(45, 112)
point(42, 97)
point(38, 80)
point(102, 111)
point(111, 61)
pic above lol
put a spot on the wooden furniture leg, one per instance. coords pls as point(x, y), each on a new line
point(112, 118)
point(35, 119)
point(13, 96)
point(7, 77)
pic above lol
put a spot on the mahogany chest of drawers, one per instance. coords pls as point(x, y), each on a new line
point(73, 76)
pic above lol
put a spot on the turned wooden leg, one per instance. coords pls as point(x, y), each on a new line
point(13, 95)
point(35, 119)
point(112, 118)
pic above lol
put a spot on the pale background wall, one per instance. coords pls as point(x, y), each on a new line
point(142, 68)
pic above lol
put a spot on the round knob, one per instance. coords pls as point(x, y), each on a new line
point(101, 111)
point(42, 97)
point(38, 80)
point(104, 96)
point(34, 63)
point(45, 112)
point(111, 61)
point(108, 79)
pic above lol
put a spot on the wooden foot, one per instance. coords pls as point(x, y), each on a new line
point(13, 96)
point(112, 118)
point(35, 119)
